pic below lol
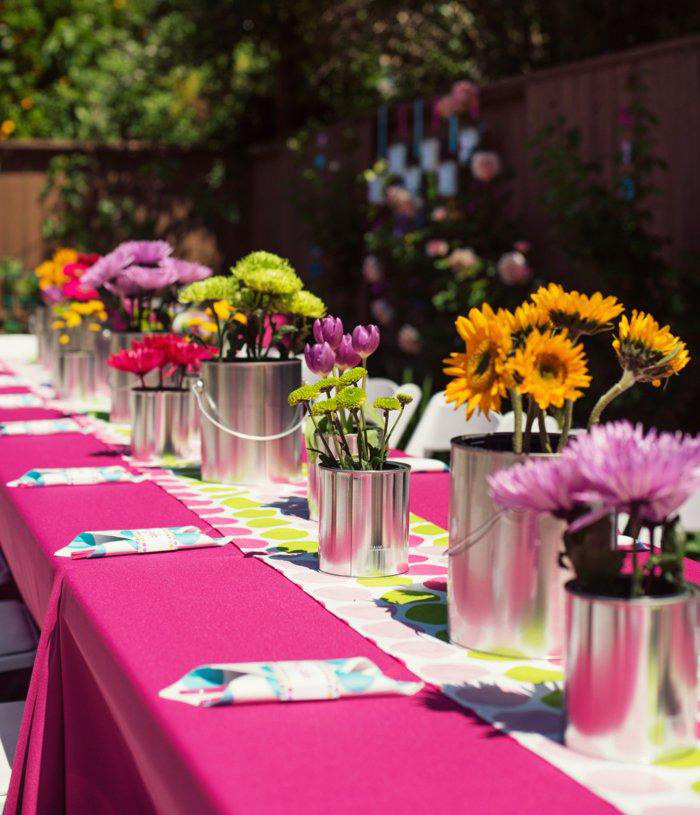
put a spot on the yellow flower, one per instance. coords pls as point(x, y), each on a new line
point(7, 128)
point(63, 256)
point(73, 319)
point(526, 317)
point(56, 324)
point(649, 352)
point(480, 377)
point(223, 309)
point(64, 339)
point(578, 313)
point(550, 368)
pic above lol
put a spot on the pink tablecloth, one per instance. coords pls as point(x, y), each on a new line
point(97, 739)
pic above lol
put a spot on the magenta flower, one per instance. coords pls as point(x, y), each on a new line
point(365, 340)
point(539, 485)
point(187, 272)
point(330, 330)
point(345, 356)
point(320, 358)
point(625, 470)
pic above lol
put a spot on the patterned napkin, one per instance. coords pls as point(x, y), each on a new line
point(10, 381)
point(18, 400)
point(111, 542)
point(41, 427)
point(55, 476)
point(233, 683)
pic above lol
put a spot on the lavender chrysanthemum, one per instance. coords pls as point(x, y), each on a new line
point(107, 268)
point(626, 470)
point(146, 253)
point(538, 485)
point(186, 271)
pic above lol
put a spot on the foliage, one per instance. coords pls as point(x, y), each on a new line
point(601, 224)
point(19, 295)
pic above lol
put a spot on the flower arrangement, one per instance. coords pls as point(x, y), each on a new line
point(260, 308)
point(138, 280)
point(336, 407)
point(172, 356)
point(60, 277)
point(76, 314)
point(533, 354)
point(614, 468)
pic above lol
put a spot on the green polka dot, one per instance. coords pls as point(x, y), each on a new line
point(427, 529)
point(525, 673)
point(553, 699)
point(385, 581)
point(264, 523)
point(401, 597)
point(240, 503)
point(681, 759)
point(257, 513)
point(433, 613)
point(441, 541)
point(285, 534)
point(695, 787)
point(485, 655)
point(298, 547)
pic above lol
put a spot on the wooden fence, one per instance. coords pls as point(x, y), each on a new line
point(590, 95)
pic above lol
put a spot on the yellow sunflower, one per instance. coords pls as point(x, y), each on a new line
point(550, 368)
point(479, 375)
point(525, 317)
point(649, 352)
point(578, 313)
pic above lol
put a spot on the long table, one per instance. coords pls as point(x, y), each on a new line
point(96, 738)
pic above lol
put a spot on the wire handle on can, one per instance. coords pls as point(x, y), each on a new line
point(198, 390)
point(473, 537)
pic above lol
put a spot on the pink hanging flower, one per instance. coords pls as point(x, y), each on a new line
point(439, 214)
point(522, 246)
point(513, 268)
point(485, 165)
point(409, 339)
point(372, 270)
point(465, 97)
point(436, 248)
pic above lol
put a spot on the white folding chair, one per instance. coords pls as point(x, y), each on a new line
point(690, 513)
point(10, 719)
point(506, 423)
point(412, 390)
point(378, 387)
point(18, 347)
point(18, 637)
point(440, 423)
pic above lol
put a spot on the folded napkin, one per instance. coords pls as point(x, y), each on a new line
point(10, 381)
point(110, 542)
point(41, 427)
point(236, 682)
point(55, 476)
point(18, 400)
point(421, 465)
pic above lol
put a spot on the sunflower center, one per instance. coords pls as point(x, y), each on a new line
point(551, 368)
point(481, 366)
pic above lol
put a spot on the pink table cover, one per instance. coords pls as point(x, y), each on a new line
point(96, 738)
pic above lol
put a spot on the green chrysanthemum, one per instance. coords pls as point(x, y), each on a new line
point(267, 273)
point(305, 304)
point(324, 406)
point(404, 398)
point(213, 288)
point(353, 375)
point(387, 403)
point(351, 398)
point(328, 383)
point(306, 393)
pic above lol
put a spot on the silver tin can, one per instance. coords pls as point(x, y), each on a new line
point(505, 585)
point(164, 423)
point(631, 675)
point(363, 521)
point(250, 434)
point(77, 376)
point(121, 382)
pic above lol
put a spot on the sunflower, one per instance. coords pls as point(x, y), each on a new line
point(578, 313)
point(649, 352)
point(550, 368)
point(522, 321)
point(480, 377)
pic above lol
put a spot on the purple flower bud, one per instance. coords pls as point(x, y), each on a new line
point(330, 330)
point(365, 340)
point(319, 358)
point(345, 357)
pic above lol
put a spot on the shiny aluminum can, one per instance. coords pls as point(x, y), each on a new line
point(121, 382)
point(505, 585)
point(77, 376)
point(250, 434)
point(631, 675)
point(164, 423)
point(363, 521)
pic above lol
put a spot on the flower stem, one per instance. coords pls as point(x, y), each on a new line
point(320, 433)
point(517, 401)
point(544, 438)
point(626, 381)
point(529, 421)
point(566, 429)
